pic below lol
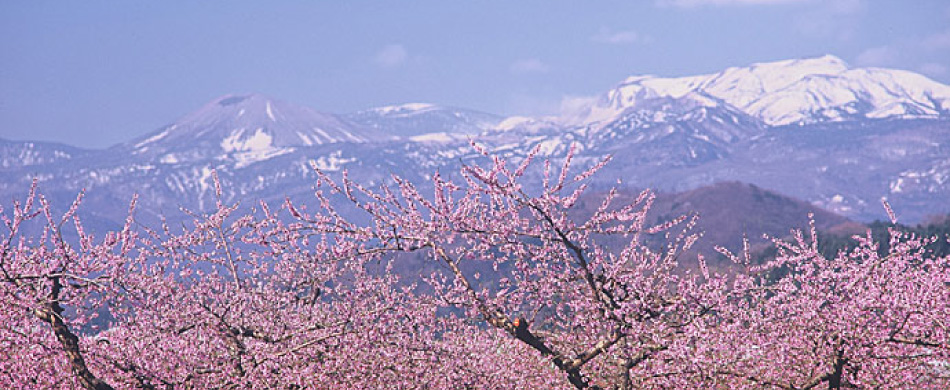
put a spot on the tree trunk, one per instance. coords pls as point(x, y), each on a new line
point(52, 313)
point(835, 379)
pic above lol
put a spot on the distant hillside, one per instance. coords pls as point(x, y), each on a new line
point(729, 211)
point(936, 227)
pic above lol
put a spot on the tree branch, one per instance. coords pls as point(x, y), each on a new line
point(52, 314)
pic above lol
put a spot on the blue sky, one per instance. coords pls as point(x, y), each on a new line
point(95, 73)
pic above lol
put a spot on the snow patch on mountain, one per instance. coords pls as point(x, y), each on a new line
point(440, 137)
point(306, 139)
point(237, 142)
point(331, 163)
point(404, 109)
point(154, 138)
point(248, 149)
point(410, 120)
point(169, 158)
point(927, 181)
point(513, 122)
point(270, 112)
point(551, 147)
point(244, 159)
point(527, 124)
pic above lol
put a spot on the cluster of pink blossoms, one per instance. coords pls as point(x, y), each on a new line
point(484, 283)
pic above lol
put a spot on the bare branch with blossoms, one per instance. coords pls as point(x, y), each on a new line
point(858, 320)
point(593, 309)
point(521, 287)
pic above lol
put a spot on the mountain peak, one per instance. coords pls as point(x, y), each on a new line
point(230, 100)
point(249, 108)
point(415, 120)
point(256, 103)
point(798, 91)
point(826, 64)
point(404, 109)
point(246, 128)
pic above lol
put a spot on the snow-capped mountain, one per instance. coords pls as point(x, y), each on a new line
point(671, 131)
point(17, 154)
point(245, 129)
point(838, 137)
point(785, 92)
point(815, 128)
point(425, 122)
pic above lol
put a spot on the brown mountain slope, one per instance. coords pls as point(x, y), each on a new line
point(729, 211)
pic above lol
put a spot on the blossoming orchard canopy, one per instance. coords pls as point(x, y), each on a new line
point(513, 289)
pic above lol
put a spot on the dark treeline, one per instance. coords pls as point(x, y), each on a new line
point(938, 227)
point(831, 243)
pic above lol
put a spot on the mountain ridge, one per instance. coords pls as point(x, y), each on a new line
point(263, 147)
point(787, 92)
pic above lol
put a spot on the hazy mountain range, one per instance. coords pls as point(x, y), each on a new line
point(837, 137)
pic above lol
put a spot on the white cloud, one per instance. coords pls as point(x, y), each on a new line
point(926, 55)
point(576, 105)
point(818, 18)
point(532, 104)
point(392, 55)
point(618, 37)
point(838, 19)
point(938, 41)
point(845, 7)
point(700, 3)
point(835, 6)
point(878, 56)
point(529, 65)
point(933, 69)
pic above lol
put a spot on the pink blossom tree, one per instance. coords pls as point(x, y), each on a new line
point(519, 288)
point(859, 320)
point(596, 308)
point(253, 302)
point(48, 289)
point(230, 302)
